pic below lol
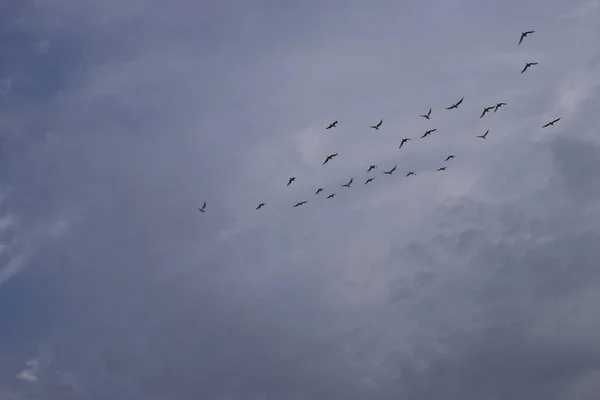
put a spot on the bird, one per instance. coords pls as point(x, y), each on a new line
point(527, 65)
point(484, 135)
point(332, 125)
point(371, 168)
point(551, 123)
point(203, 208)
point(448, 158)
point(329, 157)
point(497, 106)
point(410, 173)
point(319, 190)
point(455, 105)
point(486, 110)
point(429, 132)
point(331, 196)
point(369, 181)
point(442, 169)
point(292, 179)
point(377, 126)
point(403, 141)
point(261, 205)
point(391, 171)
point(426, 116)
point(349, 183)
point(524, 34)
point(299, 204)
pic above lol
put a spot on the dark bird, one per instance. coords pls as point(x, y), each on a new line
point(403, 141)
point(527, 65)
point(391, 171)
point(497, 106)
point(369, 181)
point(203, 208)
point(486, 110)
point(484, 135)
point(261, 205)
point(377, 126)
point(410, 173)
point(329, 158)
point(524, 34)
point(332, 125)
point(551, 123)
point(319, 190)
point(442, 169)
point(299, 204)
point(371, 168)
point(429, 132)
point(448, 158)
point(349, 183)
point(426, 116)
point(292, 179)
point(331, 196)
point(455, 105)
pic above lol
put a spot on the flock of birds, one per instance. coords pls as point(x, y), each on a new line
point(427, 116)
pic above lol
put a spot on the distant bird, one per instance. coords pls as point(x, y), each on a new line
point(332, 125)
point(484, 135)
point(329, 158)
point(455, 105)
point(442, 169)
point(377, 126)
point(410, 173)
point(371, 168)
point(203, 208)
point(527, 65)
point(300, 204)
point(486, 110)
point(551, 123)
point(403, 141)
point(429, 132)
point(319, 190)
point(331, 196)
point(448, 158)
point(292, 179)
point(261, 205)
point(369, 181)
point(524, 34)
point(426, 116)
point(497, 106)
point(391, 171)
point(349, 183)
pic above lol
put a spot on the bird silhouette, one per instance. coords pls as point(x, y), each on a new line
point(369, 181)
point(331, 196)
point(410, 173)
point(497, 106)
point(300, 204)
point(329, 158)
point(349, 183)
point(551, 123)
point(261, 205)
point(455, 105)
point(442, 169)
point(426, 116)
point(332, 125)
point(319, 190)
point(429, 132)
point(377, 126)
point(203, 208)
point(484, 135)
point(448, 158)
point(371, 168)
point(403, 141)
point(292, 179)
point(525, 34)
point(486, 110)
point(527, 65)
point(391, 171)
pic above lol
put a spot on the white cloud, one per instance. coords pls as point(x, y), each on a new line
point(30, 374)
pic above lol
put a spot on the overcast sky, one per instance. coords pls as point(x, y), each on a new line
point(118, 118)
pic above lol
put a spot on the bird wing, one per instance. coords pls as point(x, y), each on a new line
point(547, 125)
point(525, 68)
point(556, 120)
point(460, 101)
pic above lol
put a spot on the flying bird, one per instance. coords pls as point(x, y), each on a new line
point(455, 105)
point(300, 204)
point(331, 196)
point(429, 132)
point(497, 106)
point(261, 205)
point(551, 123)
point(329, 158)
point(203, 208)
point(525, 34)
point(426, 116)
point(484, 135)
point(448, 158)
point(292, 179)
point(319, 190)
point(486, 110)
point(410, 173)
point(369, 181)
point(442, 169)
point(391, 171)
point(371, 168)
point(349, 183)
point(527, 65)
point(332, 125)
point(377, 126)
point(403, 141)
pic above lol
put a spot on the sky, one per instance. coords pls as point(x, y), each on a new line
point(118, 119)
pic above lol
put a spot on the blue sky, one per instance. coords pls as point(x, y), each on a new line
point(119, 118)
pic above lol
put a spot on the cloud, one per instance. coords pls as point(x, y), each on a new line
point(30, 374)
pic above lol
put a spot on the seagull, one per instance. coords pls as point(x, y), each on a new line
point(261, 205)
point(403, 141)
point(332, 125)
point(292, 179)
point(551, 123)
point(203, 208)
point(426, 116)
point(429, 132)
point(369, 181)
point(524, 34)
point(329, 157)
point(497, 106)
point(299, 204)
point(527, 65)
point(448, 158)
point(377, 126)
point(455, 105)
point(319, 190)
point(442, 169)
point(410, 173)
point(349, 183)
point(391, 171)
point(371, 168)
point(486, 110)
point(484, 135)
point(331, 196)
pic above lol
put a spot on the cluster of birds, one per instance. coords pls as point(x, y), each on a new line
point(427, 116)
